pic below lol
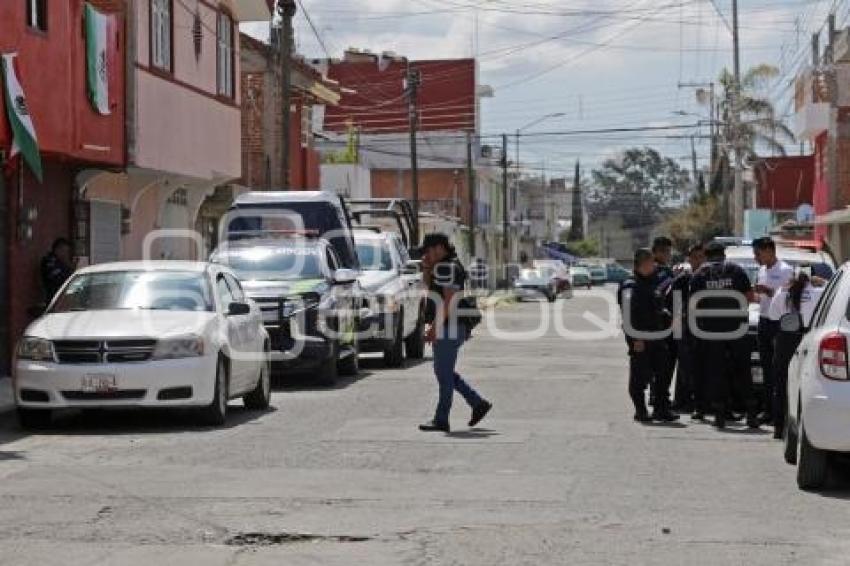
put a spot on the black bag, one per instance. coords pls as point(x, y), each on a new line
point(468, 312)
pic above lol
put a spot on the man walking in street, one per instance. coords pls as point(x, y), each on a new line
point(646, 337)
point(447, 330)
point(773, 275)
point(724, 350)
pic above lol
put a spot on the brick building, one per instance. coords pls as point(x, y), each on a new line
point(262, 118)
point(374, 104)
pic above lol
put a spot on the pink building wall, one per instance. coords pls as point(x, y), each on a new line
point(182, 125)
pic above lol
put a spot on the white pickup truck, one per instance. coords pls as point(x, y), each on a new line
point(393, 287)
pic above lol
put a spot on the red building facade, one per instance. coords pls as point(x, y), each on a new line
point(72, 137)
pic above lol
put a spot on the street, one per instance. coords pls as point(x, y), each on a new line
point(558, 474)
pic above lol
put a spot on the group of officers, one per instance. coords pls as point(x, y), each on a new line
point(711, 346)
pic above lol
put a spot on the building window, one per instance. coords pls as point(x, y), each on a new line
point(37, 14)
point(225, 55)
point(161, 18)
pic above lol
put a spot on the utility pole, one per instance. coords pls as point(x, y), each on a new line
point(738, 189)
point(577, 225)
point(470, 181)
point(286, 9)
point(505, 236)
point(412, 82)
point(694, 165)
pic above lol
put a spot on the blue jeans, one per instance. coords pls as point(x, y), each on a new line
point(446, 349)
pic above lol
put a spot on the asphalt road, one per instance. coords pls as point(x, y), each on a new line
point(559, 474)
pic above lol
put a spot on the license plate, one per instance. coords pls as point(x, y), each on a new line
point(758, 376)
point(98, 383)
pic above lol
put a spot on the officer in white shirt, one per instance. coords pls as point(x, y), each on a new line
point(773, 275)
point(801, 296)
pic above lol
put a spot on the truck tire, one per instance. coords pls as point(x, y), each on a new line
point(394, 353)
point(328, 374)
point(350, 365)
point(414, 345)
point(812, 463)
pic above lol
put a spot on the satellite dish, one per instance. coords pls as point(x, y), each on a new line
point(805, 213)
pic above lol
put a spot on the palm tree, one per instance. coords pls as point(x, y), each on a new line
point(760, 128)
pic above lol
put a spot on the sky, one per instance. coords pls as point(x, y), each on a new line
point(600, 63)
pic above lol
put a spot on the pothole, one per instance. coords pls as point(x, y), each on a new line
point(271, 539)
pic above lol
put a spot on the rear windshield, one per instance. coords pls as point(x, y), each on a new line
point(314, 217)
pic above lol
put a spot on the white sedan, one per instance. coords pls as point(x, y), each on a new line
point(818, 424)
point(144, 334)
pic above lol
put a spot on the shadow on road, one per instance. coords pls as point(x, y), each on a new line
point(473, 434)
point(111, 422)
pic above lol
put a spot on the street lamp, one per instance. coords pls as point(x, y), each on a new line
point(530, 124)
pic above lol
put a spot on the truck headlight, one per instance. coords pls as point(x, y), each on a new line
point(184, 347)
point(36, 349)
point(387, 303)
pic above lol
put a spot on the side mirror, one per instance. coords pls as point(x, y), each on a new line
point(345, 276)
point(791, 322)
point(411, 268)
point(237, 309)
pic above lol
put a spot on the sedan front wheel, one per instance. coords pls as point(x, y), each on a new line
point(215, 414)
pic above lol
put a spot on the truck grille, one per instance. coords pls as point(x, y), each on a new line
point(103, 351)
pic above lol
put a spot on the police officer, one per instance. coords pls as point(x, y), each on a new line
point(646, 337)
point(662, 251)
point(690, 385)
point(722, 343)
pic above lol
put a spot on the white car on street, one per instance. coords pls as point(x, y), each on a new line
point(818, 423)
point(144, 334)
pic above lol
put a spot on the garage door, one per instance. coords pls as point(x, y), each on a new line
point(105, 231)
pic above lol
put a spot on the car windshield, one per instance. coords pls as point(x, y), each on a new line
point(752, 268)
point(274, 264)
point(374, 255)
point(531, 276)
point(148, 290)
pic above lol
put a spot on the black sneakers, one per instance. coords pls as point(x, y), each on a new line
point(664, 416)
point(643, 418)
point(479, 412)
point(434, 427)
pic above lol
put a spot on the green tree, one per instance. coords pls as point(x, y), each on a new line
point(700, 221)
point(639, 184)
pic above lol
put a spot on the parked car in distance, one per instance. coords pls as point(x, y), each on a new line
point(818, 424)
point(310, 304)
point(598, 274)
point(559, 272)
point(534, 284)
point(616, 273)
point(392, 285)
point(264, 214)
point(144, 334)
point(580, 277)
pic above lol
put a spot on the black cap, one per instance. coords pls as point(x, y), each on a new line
point(435, 239)
point(715, 249)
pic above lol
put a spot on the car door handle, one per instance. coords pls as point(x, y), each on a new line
point(804, 352)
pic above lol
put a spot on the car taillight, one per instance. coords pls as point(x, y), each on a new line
point(832, 356)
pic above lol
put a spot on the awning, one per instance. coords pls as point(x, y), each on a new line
point(840, 216)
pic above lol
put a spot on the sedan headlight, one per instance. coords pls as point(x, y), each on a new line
point(172, 348)
point(36, 349)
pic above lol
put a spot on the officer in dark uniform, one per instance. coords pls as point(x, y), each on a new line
point(662, 250)
point(722, 344)
point(690, 389)
point(646, 337)
point(56, 267)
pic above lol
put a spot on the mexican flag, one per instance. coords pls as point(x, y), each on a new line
point(24, 140)
point(99, 33)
